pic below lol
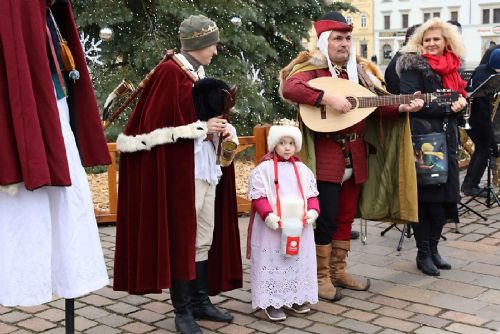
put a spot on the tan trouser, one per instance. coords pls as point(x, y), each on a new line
point(205, 212)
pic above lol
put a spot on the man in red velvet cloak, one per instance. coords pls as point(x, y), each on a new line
point(156, 229)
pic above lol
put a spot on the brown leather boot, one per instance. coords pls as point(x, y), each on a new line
point(338, 265)
point(326, 289)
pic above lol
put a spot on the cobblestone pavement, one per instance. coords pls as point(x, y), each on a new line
point(465, 299)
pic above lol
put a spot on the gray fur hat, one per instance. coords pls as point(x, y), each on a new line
point(197, 32)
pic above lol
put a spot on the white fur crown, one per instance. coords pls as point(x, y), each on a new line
point(284, 128)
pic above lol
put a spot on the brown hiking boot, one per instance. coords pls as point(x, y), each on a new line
point(338, 265)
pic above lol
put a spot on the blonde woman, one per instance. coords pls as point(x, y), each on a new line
point(431, 61)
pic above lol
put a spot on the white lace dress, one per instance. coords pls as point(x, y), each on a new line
point(278, 280)
point(49, 243)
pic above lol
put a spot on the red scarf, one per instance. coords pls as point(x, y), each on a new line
point(447, 67)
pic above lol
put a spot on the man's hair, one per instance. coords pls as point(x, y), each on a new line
point(456, 24)
point(410, 31)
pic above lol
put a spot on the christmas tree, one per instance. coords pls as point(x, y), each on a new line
point(258, 38)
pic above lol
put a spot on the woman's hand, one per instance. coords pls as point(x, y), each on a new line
point(338, 103)
point(459, 104)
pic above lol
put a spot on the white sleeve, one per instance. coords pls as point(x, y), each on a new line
point(198, 142)
point(256, 186)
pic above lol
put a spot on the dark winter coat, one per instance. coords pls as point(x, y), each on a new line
point(480, 118)
point(416, 75)
point(391, 76)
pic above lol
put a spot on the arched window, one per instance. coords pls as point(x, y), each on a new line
point(363, 21)
point(349, 19)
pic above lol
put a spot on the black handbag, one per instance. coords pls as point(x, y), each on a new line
point(431, 158)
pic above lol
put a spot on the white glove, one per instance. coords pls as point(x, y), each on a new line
point(272, 221)
point(312, 215)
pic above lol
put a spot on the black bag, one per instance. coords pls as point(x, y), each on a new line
point(431, 158)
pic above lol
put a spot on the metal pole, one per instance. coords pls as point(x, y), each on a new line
point(70, 315)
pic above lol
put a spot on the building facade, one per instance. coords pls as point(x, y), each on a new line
point(363, 28)
point(363, 24)
point(480, 20)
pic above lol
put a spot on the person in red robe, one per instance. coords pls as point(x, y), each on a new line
point(340, 157)
point(31, 141)
point(49, 129)
point(157, 227)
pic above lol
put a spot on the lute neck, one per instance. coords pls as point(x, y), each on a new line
point(387, 100)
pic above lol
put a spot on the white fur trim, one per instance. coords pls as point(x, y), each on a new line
point(279, 131)
point(11, 189)
point(168, 135)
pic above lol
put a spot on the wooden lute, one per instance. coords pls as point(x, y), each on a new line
point(363, 101)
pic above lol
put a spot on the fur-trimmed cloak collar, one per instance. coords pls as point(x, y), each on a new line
point(308, 61)
point(313, 59)
point(416, 62)
point(305, 61)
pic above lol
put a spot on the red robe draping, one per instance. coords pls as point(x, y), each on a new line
point(85, 119)
point(156, 228)
point(31, 142)
point(225, 253)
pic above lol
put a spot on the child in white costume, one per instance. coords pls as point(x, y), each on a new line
point(279, 280)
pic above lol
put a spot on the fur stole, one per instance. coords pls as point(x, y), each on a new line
point(304, 61)
point(415, 62)
point(372, 70)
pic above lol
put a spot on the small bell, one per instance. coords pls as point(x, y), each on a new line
point(74, 74)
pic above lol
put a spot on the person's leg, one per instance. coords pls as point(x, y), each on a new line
point(325, 226)
point(180, 293)
point(341, 244)
point(205, 216)
point(435, 236)
point(466, 184)
point(202, 307)
point(422, 232)
point(477, 164)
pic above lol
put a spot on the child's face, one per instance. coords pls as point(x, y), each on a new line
point(286, 147)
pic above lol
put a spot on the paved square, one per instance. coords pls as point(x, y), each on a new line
point(465, 299)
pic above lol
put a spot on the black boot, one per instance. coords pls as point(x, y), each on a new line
point(424, 260)
point(202, 307)
point(180, 293)
point(436, 231)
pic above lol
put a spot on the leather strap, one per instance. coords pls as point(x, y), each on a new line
point(276, 185)
point(56, 61)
